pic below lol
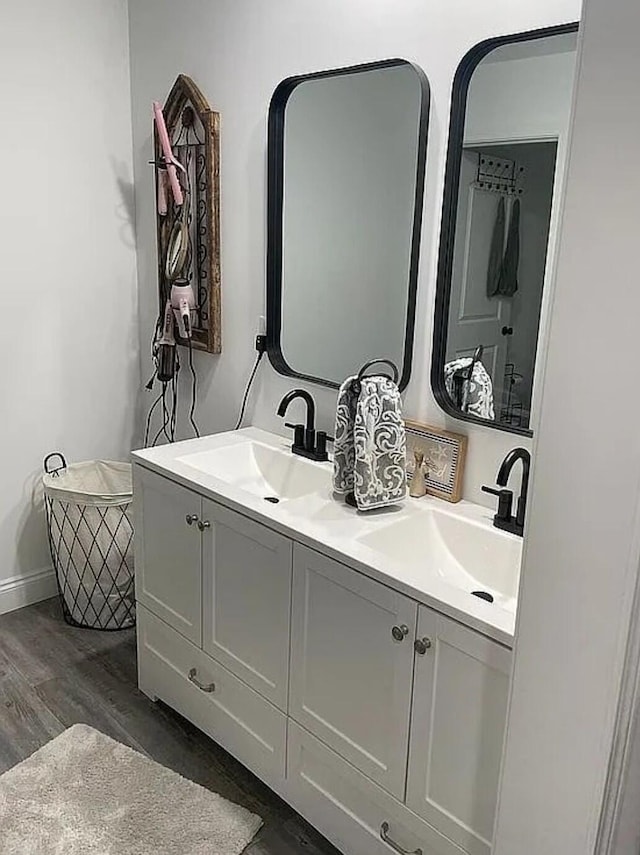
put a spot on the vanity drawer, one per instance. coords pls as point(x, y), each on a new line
point(233, 714)
point(350, 809)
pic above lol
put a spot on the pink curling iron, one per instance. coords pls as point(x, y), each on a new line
point(168, 170)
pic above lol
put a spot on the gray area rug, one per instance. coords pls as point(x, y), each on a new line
point(84, 794)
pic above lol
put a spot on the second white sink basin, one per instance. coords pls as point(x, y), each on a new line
point(262, 470)
point(466, 554)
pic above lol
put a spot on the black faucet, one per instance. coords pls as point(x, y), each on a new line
point(306, 441)
point(504, 519)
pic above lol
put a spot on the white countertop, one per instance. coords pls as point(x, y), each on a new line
point(327, 525)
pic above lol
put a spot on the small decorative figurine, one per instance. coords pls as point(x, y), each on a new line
point(418, 487)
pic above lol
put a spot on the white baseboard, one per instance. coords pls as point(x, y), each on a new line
point(24, 590)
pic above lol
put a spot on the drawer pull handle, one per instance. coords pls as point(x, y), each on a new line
point(384, 835)
point(203, 525)
point(399, 633)
point(191, 519)
point(192, 676)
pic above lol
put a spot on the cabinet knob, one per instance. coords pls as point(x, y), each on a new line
point(203, 525)
point(211, 687)
point(191, 519)
point(399, 633)
point(421, 645)
point(384, 835)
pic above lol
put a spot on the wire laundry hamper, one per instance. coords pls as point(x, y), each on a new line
point(90, 529)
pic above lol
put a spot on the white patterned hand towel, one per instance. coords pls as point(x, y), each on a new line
point(370, 443)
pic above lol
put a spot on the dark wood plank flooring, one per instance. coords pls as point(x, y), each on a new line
point(53, 676)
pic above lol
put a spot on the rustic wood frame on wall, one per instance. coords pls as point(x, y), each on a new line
point(194, 132)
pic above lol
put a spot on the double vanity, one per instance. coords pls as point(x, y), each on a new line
point(354, 662)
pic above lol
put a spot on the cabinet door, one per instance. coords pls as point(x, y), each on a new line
point(247, 600)
point(167, 552)
point(350, 677)
point(460, 696)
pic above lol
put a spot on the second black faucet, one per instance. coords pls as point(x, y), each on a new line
point(504, 519)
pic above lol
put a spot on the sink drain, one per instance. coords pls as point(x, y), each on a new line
point(273, 499)
point(484, 595)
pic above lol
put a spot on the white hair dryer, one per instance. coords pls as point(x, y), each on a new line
point(184, 306)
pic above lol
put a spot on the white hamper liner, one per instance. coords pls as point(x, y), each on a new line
point(91, 539)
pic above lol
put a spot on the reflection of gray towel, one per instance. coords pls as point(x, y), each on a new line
point(477, 392)
point(496, 252)
point(370, 445)
point(508, 284)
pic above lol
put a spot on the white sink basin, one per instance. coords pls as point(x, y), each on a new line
point(262, 470)
point(464, 553)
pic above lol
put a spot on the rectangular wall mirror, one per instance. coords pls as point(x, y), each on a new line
point(345, 182)
point(505, 163)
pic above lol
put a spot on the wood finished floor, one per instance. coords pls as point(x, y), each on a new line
point(53, 676)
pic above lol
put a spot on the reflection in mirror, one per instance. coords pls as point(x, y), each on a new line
point(346, 173)
point(505, 165)
point(177, 248)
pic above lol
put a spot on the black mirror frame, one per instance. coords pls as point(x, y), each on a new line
point(275, 182)
point(461, 82)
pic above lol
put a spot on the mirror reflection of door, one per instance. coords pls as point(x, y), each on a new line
point(507, 161)
point(505, 326)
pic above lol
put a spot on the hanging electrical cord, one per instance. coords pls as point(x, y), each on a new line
point(149, 417)
point(194, 381)
point(165, 417)
point(174, 406)
point(260, 347)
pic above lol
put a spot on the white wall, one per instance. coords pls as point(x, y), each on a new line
point(238, 51)
point(70, 373)
point(537, 89)
point(582, 551)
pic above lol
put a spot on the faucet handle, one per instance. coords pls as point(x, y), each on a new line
point(298, 434)
point(505, 502)
point(322, 438)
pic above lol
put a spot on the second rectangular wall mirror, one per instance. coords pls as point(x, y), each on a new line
point(505, 163)
point(347, 154)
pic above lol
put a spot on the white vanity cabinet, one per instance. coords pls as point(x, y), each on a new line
point(376, 717)
point(214, 600)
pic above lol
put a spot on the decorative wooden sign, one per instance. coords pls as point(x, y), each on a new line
point(444, 457)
